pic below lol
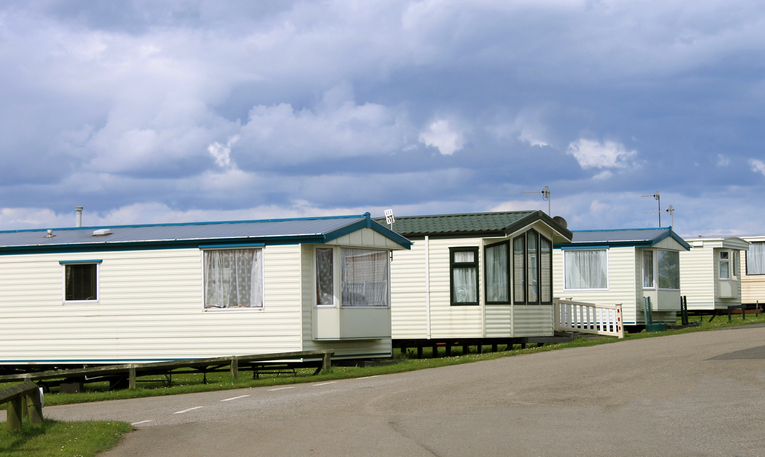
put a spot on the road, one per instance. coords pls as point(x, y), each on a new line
point(699, 394)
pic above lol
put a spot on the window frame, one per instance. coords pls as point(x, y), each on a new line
point(454, 265)
point(656, 271)
point(654, 283)
point(508, 264)
point(721, 261)
point(68, 263)
point(338, 298)
point(262, 306)
point(525, 269)
point(752, 243)
point(335, 277)
point(566, 252)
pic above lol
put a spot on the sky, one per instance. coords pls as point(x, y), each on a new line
point(151, 111)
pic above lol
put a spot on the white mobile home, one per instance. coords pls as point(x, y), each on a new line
point(610, 267)
point(753, 271)
point(483, 277)
point(145, 293)
point(710, 272)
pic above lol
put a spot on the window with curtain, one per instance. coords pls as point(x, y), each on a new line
point(364, 278)
point(497, 273)
point(755, 259)
point(724, 268)
point(519, 268)
point(648, 281)
point(233, 278)
point(545, 270)
point(585, 269)
point(81, 282)
point(532, 264)
point(464, 275)
point(325, 277)
point(669, 269)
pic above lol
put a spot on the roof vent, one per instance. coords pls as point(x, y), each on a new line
point(102, 232)
point(50, 234)
point(562, 222)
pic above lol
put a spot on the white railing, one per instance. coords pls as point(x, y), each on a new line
point(571, 316)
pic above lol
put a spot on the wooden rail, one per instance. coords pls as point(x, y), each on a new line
point(571, 316)
point(23, 399)
point(135, 369)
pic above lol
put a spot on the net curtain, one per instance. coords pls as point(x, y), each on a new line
point(233, 278)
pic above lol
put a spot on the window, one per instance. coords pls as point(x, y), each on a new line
point(464, 276)
point(81, 280)
point(648, 282)
point(585, 269)
point(233, 278)
point(532, 269)
point(364, 278)
point(755, 259)
point(724, 265)
point(497, 273)
point(669, 269)
point(325, 277)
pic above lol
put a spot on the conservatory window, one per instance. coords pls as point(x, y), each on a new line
point(497, 273)
point(325, 277)
point(519, 283)
point(364, 278)
point(464, 275)
point(755, 259)
point(586, 269)
point(545, 270)
point(233, 278)
point(669, 269)
point(532, 269)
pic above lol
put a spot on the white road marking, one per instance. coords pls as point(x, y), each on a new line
point(235, 398)
point(280, 388)
point(369, 377)
point(142, 422)
point(187, 410)
point(324, 383)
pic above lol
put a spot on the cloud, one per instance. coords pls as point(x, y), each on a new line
point(222, 154)
point(593, 154)
point(722, 161)
point(441, 135)
point(758, 166)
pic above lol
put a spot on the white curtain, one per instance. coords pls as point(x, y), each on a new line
point(364, 277)
point(233, 278)
point(496, 274)
point(586, 269)
point(464, 284)
point(755, 259)
point(325, 277)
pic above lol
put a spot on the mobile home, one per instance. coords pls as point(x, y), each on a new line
point(101, 295)
point(479, 277)
point(753, 271)
point(710, 274)
point(610, 267)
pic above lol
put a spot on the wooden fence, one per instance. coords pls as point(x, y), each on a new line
point(23, 399)
point(571, 316)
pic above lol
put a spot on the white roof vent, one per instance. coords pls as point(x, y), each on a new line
point(102, 232)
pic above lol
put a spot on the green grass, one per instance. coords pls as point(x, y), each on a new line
point(55, 438)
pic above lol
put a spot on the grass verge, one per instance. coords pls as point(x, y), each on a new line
point(55, 438)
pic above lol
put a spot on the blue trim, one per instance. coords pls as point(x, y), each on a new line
point(238, 245)
point(110, 361)
point(567, 247)
point(668, 232)
point(368, 223)
point(355, 338)
point(70, 262)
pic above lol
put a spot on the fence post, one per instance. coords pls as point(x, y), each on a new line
point(131, 377)
point(34, 408)
point(235, 367)
point(326, 362)
point(14, 414)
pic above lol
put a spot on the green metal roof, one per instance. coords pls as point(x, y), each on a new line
point(471, 224)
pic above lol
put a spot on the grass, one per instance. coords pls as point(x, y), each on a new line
point(55, 438)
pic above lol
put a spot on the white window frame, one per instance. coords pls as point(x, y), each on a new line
point(721, 261)
point(260, 308)
point(608, 278)
point(335, 277)
point(654, 265)
point(339, 279)
point(66, 263)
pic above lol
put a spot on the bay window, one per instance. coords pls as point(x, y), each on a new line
point(364, 278)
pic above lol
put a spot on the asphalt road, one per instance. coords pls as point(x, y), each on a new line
point(700, 394)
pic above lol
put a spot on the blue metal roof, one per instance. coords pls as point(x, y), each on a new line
point(272, 231)
point(622, 237)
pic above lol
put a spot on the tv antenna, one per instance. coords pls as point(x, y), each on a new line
point(656, 197)
point(389, 219)
point(545, 196)
point(669, 210)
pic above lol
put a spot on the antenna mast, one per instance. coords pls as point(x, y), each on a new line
point(545, 196)
point(656, 197)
